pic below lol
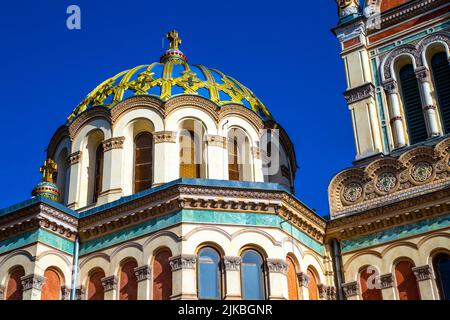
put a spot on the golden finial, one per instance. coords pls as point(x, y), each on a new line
point(174, 39)
point(48, 170)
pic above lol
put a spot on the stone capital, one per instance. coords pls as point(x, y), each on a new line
point(386, 280)
point(184, 261)
point(303, 279)
point(32, 281)
point(65, 293)
point(323, 291)
point(232, 263)
point(422, 74)
point(113, 143)
point(350, 289)
point(165, 137)
point(277, 266)
point(216, 141)
point(109, 283)
point(80, 293)
point(2, 293)
point(143, 273)
point(422, 273)
point(390, 86)
point(74, 158)
point(362, 92)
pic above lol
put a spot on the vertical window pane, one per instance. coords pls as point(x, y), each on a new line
point(441, 76)
point(143, 162)
point(98, 172)
point(442, 271)
point(209, 274)
point(252, 276)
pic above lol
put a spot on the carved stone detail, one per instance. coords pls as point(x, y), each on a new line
point(386, 182)
point(257, 153)
point(143, 273)
point(109, 283)
point(32, 281)
point(165, 136)
point(352, 192)
point(277, 266)
point(216, 141)
point(113, 143)
point(184, 261)
point(350, 289)
point(422, 273)
point(80, 293)
point(74, 158)
point(303, 279)
point(386, 281)
point(232, 263)
point(422, 74)
point(360, 93)
point(390, 86)
point(421, 171)
point(65, 293)
point(2, 293)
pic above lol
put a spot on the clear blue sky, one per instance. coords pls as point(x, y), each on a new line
point(283, 51)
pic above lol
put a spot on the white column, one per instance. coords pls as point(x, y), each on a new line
point(32, 286)
point(183, 277)
point(232, 277)
point(278, 286)
point(144, 282)
point(425, 282)
point(110, 287)
point(429, 109)
point(217, 157)
point(374, 123)
point(351, 290)
point(112, 170)
point(391, 88)
point(74, 179)
point(167, 157)
point(387, 287)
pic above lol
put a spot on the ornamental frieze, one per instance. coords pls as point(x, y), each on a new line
point(109, 283)
point(386, 280)
point(143, 273)
point(113, 143)
point(165, 137)
point(422, 273)
point(350, 289)
point(360, 93)
point(32, 281)
point(184, 261)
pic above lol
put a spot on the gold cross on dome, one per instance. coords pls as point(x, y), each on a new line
point(174, 39)
point(48, 170)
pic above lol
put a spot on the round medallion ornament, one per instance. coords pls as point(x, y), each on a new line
point(421, 171)
point(386, 182)
point(353, 192)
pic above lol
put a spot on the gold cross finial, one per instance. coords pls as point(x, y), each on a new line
point(174, 39)
point(48, 170)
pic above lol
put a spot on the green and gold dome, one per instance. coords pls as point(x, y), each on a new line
point(169, 77)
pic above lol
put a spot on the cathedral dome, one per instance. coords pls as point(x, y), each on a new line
point(170, 77)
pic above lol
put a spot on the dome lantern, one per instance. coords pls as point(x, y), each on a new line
point(173, 52)
point(46, 187)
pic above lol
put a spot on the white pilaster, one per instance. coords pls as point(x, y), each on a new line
point(167, 157)
point(429, 109)
point(232, 278)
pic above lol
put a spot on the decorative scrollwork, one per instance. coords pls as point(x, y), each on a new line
point(353, 192)
point(421, 171)
point(386, 182)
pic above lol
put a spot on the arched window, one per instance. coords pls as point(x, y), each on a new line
point(128, 281)
point(209, 274)
point(441, 265)
point(162, 276)
point(143, 167)
point(62, 175)
point(292, 279)
point(51, 290)
point(252, 274)
point(95, 290)
point(14, 290)
point(412, 105)
point(368, 281)
point(441, 75)
point(189, 160)
point(98, 172)
point(406, 281)
point(233, 160)
point(313, 290)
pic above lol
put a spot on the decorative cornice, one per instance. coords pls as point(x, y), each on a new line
point(32, 281)
point(113, 143)
point(109, 283)
point(74, 158)
point(232, 263)
point(277, 266)
point(350, 289)
point(386, 281)
point(422, 273)
point(143, 273)
point(184, 261)
point(165, 137)
point(303, 279)
point(360, 93)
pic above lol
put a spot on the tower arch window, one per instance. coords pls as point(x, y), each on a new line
point(239, 154)
point(253, 276)
point(143, 161)
point(98, 176)
point(292, 279)
point(441, 76)
point(95, 290)
point(128, 281)
point(62, 175)
point(412, 104)
point(192, 164)
point(441, 266)
point(209, 274)
point(14, 289)
point(367, 282)
point(313, 290)
point(51, 290)
point(162, 276)
point(406, 281)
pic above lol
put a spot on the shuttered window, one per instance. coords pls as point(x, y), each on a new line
point(441, 75)
point(412, 105)
point(143, 155)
